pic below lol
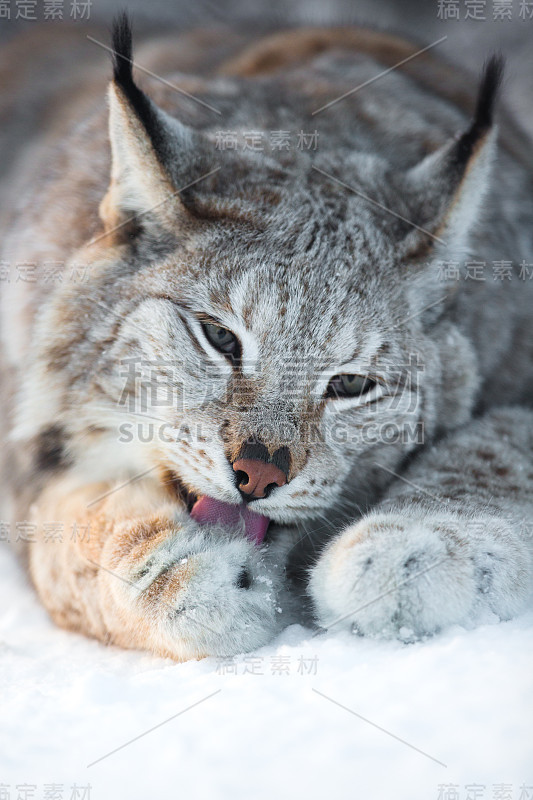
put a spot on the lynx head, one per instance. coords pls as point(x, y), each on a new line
point(276, 323)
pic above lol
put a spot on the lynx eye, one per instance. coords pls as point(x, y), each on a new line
point(222, 340)
point(349, 386)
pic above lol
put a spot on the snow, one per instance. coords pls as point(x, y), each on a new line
point(464, 698)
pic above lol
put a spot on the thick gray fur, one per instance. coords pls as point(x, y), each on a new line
point(395, 538)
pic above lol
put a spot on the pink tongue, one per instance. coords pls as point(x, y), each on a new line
point(207, 510)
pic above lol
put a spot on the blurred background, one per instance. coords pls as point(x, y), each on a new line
point(473, 28)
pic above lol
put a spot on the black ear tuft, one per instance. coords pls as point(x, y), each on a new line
point(122, 50)
point(145, 110)
point(489, 86)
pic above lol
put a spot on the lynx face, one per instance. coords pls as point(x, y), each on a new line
point(255, 344)
point(256, 327)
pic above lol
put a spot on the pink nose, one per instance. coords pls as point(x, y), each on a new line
point(258, 476)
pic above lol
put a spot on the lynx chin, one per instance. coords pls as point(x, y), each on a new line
point(247, 377)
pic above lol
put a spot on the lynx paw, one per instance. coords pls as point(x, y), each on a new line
point(205, 591)
point(393, 575)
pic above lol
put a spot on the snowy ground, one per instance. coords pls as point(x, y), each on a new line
point(465, 699)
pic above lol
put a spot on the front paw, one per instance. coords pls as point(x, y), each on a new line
point(394, 575)
point(204, 591)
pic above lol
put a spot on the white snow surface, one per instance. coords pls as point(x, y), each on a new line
point(464, 698)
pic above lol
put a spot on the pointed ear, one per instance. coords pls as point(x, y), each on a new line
point(152, 153)
point(447, 188)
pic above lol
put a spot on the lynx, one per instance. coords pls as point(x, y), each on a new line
point(250, 375)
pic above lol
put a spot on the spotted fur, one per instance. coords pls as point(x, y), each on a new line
point(322, 262)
